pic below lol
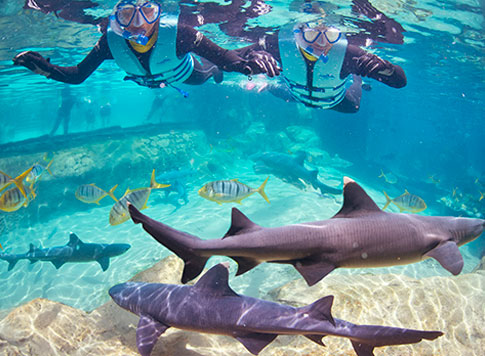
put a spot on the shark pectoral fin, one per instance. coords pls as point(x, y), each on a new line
point(363, 349)
point(57, 263)
point(12, 264)
point(312, 271)
point(448, 255)
point(104, 263)
point(316, 339)
point(255, 342)
point(147, 334)
point(244, 264)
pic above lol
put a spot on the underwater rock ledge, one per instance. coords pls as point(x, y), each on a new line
point(453, 305)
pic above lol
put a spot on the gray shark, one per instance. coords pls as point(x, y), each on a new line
point(290, 169)
point(359, 235)
point(211, 306)
point(74, 251)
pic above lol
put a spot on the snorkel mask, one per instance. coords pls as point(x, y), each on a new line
point(316, 40)
point(129, 13)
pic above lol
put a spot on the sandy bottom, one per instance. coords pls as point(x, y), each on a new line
point(453, 305)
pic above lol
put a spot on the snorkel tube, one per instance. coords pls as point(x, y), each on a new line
point(139, 38)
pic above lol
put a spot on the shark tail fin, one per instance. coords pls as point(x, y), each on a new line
point(388, 200)
point(154, 184)
point(47, 168)
point(19, 181)
point(111, 191)
point(182, 244)
point(366, 337)
point(260, 190)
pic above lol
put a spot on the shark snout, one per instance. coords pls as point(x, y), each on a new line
point(118, 249)
point(115, 292)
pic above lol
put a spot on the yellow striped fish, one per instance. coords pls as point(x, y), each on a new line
point(138, 197)
point(6, 180)
point(407, 202)
point(37, 171)
point(91, 194)
point(229, 191)
point(13, 200)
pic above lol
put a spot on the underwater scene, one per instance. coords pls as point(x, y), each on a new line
point(242, 177)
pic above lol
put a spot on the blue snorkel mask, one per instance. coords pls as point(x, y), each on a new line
point(314, 39)
point(126, 12)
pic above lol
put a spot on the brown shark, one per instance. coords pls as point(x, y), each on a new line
point(359, 235)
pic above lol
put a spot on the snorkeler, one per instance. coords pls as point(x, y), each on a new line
point(318, 60)
point(155, 49)
point(317, 71)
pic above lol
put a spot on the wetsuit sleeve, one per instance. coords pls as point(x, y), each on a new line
point(360, 62)
point(191, 40)
point(71, 75)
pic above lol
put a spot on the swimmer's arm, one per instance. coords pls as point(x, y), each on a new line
point(360, 62)
point(191, 40)
point(71, 75)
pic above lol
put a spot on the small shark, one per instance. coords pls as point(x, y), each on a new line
point(211, 306)
point(360, 235)
point(177, 180)
point(74, 251)
point(290, 169)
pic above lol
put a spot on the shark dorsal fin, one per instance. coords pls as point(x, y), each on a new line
point(320, 310)
point(216, 281)
point(240, 223)
point(31, 248)
point(356, 201)
point(74, 240)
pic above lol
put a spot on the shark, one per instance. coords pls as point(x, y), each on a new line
point(360, 235)
point(290, 169)
point(211, 306)
point(74, 251)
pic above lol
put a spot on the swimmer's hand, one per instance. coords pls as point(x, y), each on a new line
point(369, 65)
point(33, 61)
point(261, 62)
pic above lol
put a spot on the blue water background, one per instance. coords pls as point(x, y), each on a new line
point(432, 127)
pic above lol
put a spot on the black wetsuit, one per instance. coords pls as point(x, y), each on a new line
point(188, 40)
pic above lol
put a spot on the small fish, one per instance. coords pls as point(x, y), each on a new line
point(37, 171)
point(13, 200)
point(481, 196)
point(453, 194)
point(434, 180)
point(6, 180)
point(389, 177)
point(229, 191)
point(91, 194)
point(138, 197)
point(407, 202)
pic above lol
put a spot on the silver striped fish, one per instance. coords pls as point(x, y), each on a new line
point(91, 194)
point(13, 200)
point(138, 197)
point(6, 180)
point(406, 202)
point(229, 191)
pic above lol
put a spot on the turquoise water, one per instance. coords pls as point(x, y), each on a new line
point(431, 128)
